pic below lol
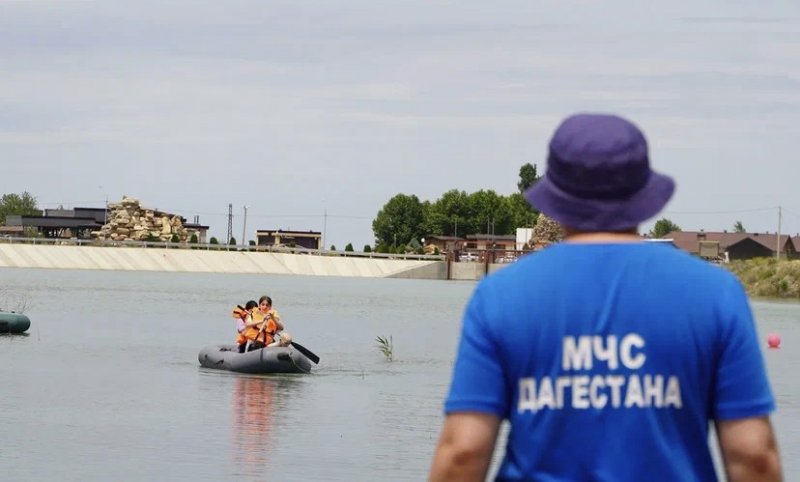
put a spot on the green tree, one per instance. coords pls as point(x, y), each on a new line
point(333, 247)
point(367, 248)
point(213, 240)
point(486, 213)
point(232, 241)
point(431, 222)
point(18, 204)
point(174, 239)
point(399, 221)
point(738, 227)
point(349, 247)
point(520, 211)
point(447, 216)
point(193, 239)
point(527, 177)
point(663, 227)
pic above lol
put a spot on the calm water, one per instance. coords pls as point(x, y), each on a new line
point(107, 384)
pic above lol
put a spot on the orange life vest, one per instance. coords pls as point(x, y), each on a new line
point(254, 333)
point(268, 335)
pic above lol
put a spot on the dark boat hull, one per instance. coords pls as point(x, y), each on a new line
point(264, 360)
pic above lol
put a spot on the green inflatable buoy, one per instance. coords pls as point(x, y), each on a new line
point(11, 322)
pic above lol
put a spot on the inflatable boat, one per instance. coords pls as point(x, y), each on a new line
point(264, 360)
point(11, 322)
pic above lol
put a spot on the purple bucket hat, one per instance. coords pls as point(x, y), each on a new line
point(598, 176)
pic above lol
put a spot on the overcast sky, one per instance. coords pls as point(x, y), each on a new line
point(298, 108)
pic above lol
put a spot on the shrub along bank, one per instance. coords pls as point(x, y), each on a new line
point(768, 277)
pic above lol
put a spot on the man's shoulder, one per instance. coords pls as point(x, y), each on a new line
point(665, 260)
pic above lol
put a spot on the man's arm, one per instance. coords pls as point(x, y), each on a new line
point(465, 447)
point(749, 450)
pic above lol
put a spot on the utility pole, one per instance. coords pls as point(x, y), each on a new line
point(324, 226)
point(778, 242)
point(105, 213)
point(230, 223)
point(244, 227)
point(455, 233)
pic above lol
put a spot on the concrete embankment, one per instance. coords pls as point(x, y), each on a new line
point(209, 261)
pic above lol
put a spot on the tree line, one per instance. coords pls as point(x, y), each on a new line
point(18, 205)
point(405, 219)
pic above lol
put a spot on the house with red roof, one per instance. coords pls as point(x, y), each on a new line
point(732, 246)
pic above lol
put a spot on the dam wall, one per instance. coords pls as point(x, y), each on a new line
point(211, 261)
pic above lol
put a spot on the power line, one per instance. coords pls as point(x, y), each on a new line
point(724, 212)
point(786, 211)
point(69, 203)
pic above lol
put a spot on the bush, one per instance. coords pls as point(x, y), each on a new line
point(151, 238)
point(174, 239)
point(252, 242)
point(367, 248)
point(31, 232)
point(193, 239)
point(333, 247)
point(232, 241)
point(768, 277)
point(349, 247)
point(213, 240)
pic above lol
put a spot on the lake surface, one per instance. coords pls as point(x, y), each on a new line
point(107, 385)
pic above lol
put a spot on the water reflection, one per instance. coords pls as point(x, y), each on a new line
point(257, 404)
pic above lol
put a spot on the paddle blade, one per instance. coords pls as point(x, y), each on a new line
point(305, 351)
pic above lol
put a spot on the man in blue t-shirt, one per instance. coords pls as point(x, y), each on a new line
point(609, 356)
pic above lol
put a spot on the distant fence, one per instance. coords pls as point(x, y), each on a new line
point(213, 247)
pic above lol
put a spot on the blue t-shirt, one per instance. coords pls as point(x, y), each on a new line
point(609, 361)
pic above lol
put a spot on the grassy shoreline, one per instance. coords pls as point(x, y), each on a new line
point(768, 277)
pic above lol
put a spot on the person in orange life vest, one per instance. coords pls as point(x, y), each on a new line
point(274, 326)
point(247, 327)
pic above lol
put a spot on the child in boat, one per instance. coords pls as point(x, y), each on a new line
point(274, 326)
point(246, 326)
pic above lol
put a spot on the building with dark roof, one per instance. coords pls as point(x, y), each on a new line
point(732, 246)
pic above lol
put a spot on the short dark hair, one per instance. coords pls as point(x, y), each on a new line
point(250, 304)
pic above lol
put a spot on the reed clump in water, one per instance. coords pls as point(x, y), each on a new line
point(385, 346)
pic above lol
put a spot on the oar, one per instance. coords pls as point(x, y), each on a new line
point(263, 325)
point(305, 351)
point(260, 331)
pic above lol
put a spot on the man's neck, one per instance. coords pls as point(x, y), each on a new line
point(574, 236)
